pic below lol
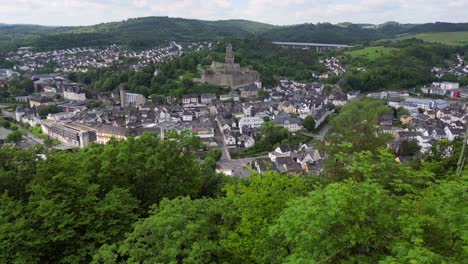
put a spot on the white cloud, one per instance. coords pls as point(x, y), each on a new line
point(86, 12)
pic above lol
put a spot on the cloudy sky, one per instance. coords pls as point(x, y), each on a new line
point(278, 12)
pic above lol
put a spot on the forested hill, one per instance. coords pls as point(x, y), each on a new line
point(438, 27)
point(347, 33)
point(133, 33)
point(139, 33)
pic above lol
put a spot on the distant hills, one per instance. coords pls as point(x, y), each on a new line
point(133, 33)
point(348, 33)
point(150, 31)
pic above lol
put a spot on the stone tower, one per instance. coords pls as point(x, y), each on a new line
point(229, 55)
point(122, 96)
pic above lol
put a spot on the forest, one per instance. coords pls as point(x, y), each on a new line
point(396, 65)
point(147, 32)
point(136, 33)
point(146, 200)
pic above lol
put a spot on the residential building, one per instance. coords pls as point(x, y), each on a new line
point(70, 134)
point(73, 91)
point(208, 98)
point(134, 99)
point(245, 141)
point(232, 96)
point(189, 99)
point(42, 101)
point(249, 91)
point(291, 124)
point(250, 122)
point(105, 132)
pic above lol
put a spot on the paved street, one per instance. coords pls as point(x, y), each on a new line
point(323, 131)
point(34, 140)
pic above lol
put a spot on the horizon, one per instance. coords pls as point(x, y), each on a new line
point(234, 19)
point(284, 13)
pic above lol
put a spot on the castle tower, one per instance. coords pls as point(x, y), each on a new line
point(229, 55)
point(122, 96)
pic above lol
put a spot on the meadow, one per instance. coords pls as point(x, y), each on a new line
point(448, 38)
point(372, 53)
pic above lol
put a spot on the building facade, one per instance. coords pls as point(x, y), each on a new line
point(73, 135)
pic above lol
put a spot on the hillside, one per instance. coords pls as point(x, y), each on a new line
point(438, 27)
point(323, 33)
point(138, 33)
point(347, 33)
point(133, 33)
point(459, 38)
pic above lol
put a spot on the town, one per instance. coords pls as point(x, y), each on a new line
point(234, 121)
point(323, 132)
point(80, 59)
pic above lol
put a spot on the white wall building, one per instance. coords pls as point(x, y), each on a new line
point(446, 85)
point(134, 99)
point(70, 95)
point(251, 122)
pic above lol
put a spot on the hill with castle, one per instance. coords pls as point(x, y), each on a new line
point(229, 73)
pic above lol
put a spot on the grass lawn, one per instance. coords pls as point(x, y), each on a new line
point(448, 38)
point(372, 53)
point(37, 131)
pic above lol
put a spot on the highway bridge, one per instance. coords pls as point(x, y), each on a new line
point(316, 46)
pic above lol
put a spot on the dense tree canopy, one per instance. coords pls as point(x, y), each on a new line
point(407, 66)
point(69, 204)
point(146, 200)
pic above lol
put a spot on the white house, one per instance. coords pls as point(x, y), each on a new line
point(134, 99)
point(446, 85)
point(291, 124)
point(284, 149)
point(229, 139)
point(187, 116)
point(246, 141)
point(189, 98)
point(251, 122)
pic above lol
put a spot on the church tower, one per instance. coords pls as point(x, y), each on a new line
point(122, 96)
point(229, 55)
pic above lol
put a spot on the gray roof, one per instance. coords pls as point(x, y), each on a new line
point(286, 119)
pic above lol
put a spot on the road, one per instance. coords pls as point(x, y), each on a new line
point(220, 141)
point(34, 138)
point(323, 131)
point(8, 113)
point(29, 135)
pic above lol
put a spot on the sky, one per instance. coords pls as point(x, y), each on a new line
point(277, 12)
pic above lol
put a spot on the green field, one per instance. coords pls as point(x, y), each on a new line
point(372, 53)
point(449, 38)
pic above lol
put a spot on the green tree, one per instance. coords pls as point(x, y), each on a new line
point(272, 133)
point(344, 222)
point(48, 142)
point(17, 168)
point(50, 109)
point(108, 84)
point(180, 230)
point(250, 208)
point(309, 123)
point(4, 123)
point(433, 226)
point(357, 124)
point(14, 137)
point(381, 167)
point(409, 148)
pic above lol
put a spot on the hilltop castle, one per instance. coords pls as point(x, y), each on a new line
point(229, 73)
